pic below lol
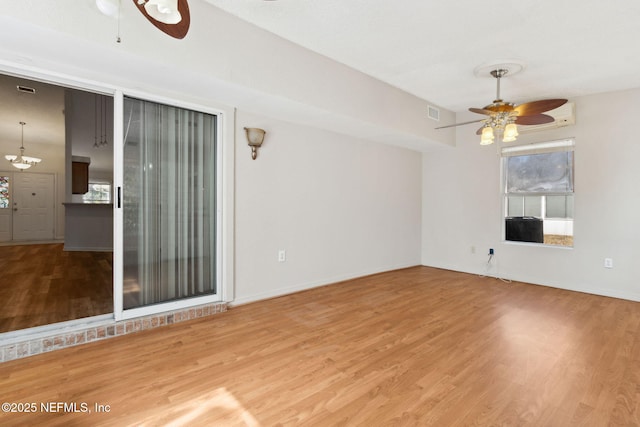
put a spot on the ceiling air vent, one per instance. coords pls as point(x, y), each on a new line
point(26, 89)
point(434, 113)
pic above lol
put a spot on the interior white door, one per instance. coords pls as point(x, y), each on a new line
point(6, 182)
point(33, 206)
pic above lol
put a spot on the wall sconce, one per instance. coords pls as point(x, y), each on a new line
point(255, 137)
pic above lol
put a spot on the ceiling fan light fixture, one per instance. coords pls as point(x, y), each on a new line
point(503, 118)
point(510, 133)
point(108, 7)
point(487, 136)
point(165, 11)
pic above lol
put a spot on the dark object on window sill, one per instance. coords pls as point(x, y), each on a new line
point(524, 229)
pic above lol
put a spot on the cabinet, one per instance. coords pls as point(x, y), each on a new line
point(79, 177)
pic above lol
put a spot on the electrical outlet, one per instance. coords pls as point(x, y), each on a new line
point(491, 251)
point(282, 255)
point(608, 263)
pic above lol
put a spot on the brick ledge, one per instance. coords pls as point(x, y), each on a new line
point(58, 340)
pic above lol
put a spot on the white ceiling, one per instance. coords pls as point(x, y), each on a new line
point(430, 49)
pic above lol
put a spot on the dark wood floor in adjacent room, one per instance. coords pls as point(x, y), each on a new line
point(43, 284)
point(419, 346)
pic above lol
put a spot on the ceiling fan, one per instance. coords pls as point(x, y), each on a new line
point(503, 117)
point(169, 16)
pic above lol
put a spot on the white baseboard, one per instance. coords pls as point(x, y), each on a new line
point(278, 292)
point(613, 293)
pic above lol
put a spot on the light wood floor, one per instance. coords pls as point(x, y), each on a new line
point(42, 284)
point(420, 346)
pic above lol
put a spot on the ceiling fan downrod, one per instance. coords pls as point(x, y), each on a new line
point(498, 74)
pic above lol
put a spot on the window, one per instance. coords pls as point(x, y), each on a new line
point(538, 192)
point(98, 193)
point(4, 192)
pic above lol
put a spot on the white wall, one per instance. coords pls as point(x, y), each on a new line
point(222, 57)
point(462, 205)
point(339, 206)
point(81, 131)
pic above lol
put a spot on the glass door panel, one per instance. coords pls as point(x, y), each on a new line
point(169, 204)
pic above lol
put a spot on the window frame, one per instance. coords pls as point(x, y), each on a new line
point(560, 145)
point(98, 201)
point(224, 206)
point(225, 210)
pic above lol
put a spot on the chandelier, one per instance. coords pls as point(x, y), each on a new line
point(21, 161)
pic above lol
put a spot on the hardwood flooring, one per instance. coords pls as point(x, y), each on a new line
point(414, 347)
point(42, 284)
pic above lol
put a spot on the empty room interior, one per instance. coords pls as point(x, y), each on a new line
point(260, 213)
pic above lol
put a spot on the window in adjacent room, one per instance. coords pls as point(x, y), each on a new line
point(98, 193)
point(538, 192)
point(4, 192)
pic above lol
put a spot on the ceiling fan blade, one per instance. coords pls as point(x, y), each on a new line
point(481, 111)
point(537, 119)
point(479, 131)
point(538, 107)
point(459, 124)
point(176, 30)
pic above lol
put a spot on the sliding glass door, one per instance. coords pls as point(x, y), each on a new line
point(169, 204)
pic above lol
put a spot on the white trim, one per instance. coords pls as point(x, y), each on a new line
point(226, 129)
point(145, 96)
point(224, 207)
point(315, 284)
point(118, 185)
point(57, 328)
point(227, 216)
point(566, 144)
point(528, 280)
point(58, 79)
point(560, 145)
point(149, 310)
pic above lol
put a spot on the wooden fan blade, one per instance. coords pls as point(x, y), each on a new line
point(479, 131)
point(459, 124)
point(481, 111)
point(538, 107)
point(537, 119)
point(178, 30)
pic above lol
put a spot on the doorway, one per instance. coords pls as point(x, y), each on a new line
point(57, 264)
point(26, 206)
